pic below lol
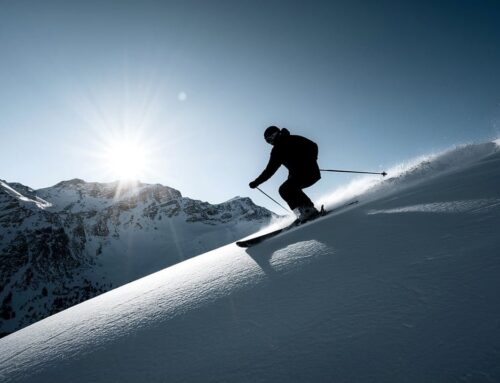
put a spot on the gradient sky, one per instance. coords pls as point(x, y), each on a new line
point(374, 83)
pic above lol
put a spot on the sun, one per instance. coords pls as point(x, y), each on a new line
point(126, 159)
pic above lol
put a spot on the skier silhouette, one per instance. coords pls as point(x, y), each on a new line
point(299, 155)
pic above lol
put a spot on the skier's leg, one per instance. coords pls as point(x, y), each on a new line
point(291, 192)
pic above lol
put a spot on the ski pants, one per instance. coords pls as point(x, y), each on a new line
point(291, 192)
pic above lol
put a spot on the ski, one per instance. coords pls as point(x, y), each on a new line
point(256, 240)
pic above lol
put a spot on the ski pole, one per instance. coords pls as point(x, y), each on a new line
point(272, 199)
point(351, 171)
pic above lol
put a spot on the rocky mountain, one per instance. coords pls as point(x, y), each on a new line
point(64, 244)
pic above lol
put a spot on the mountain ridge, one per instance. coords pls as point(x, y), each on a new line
point(64, 244)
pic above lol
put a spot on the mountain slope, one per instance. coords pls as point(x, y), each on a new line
point(62, 245)
point(402, 287)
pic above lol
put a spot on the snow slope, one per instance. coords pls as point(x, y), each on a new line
point(399, 288)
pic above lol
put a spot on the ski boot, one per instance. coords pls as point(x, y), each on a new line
point(305, 213)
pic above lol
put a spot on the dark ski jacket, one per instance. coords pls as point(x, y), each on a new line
point(298, 154)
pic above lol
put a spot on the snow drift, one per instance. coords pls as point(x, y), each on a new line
point(399, 288)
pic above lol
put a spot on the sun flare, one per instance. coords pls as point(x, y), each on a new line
point(126, 160)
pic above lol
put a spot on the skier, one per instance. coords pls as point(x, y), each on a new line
point(299, 155)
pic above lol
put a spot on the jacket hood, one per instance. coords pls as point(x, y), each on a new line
point(284, 132)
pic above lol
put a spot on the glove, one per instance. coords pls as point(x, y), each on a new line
point(253, 185)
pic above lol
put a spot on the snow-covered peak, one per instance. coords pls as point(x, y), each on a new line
point(96, 237)
point(75, 182)
point(77, 195)
point(115, 190)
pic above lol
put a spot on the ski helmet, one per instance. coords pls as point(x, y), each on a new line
point(271, 130)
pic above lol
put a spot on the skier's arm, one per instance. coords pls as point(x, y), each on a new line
point(271, 168)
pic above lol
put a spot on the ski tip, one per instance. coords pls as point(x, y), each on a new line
point(242, 244)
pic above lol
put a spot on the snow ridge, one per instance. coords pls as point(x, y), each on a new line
point(410, 173)
point(35, 200)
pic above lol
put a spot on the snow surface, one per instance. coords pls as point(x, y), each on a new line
point(399, 288)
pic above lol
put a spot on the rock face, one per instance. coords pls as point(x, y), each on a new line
point(62, 245)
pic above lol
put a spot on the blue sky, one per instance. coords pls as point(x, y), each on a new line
point(197, 82)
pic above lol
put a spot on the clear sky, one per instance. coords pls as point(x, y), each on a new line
point(186, 88)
